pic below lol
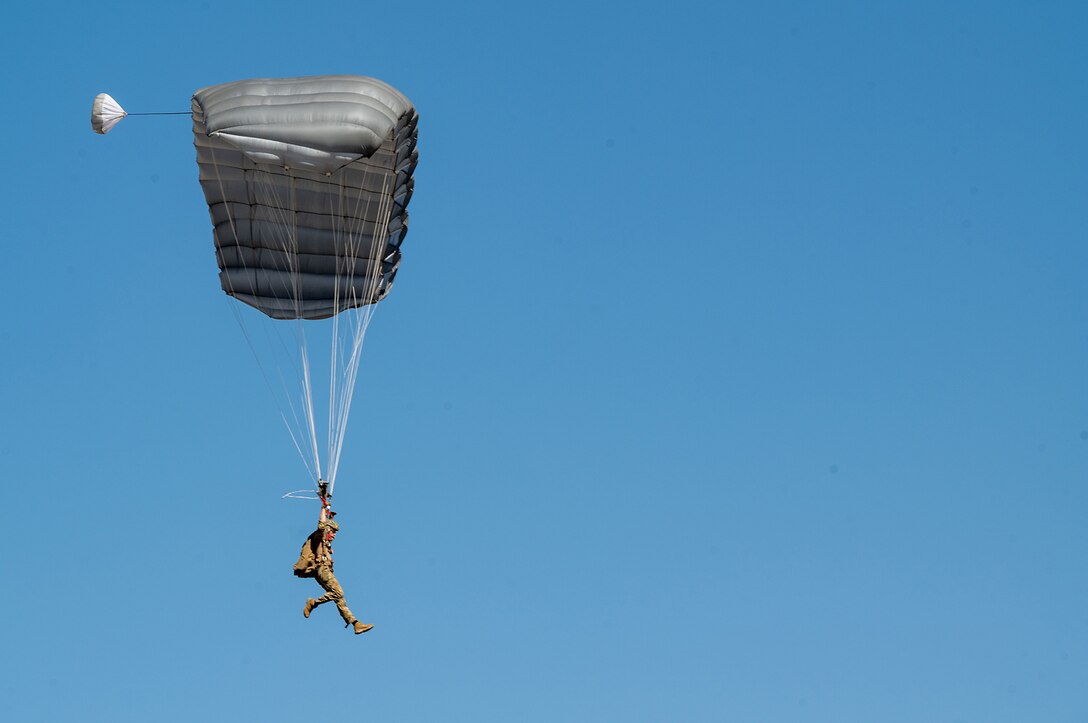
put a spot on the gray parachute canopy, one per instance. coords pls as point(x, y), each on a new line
point(307, 182)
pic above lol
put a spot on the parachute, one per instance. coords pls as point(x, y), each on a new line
point(105, 113)
point(307, 182)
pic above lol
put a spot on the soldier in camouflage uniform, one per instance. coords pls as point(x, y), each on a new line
point(316, 561)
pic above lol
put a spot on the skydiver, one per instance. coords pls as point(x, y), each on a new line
point(315, 561)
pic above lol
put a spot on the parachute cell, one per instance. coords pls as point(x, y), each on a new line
point(308, 182)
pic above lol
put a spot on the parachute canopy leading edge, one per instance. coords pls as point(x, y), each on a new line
point(307, 182)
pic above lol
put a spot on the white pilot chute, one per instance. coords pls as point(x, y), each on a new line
point(105, 113)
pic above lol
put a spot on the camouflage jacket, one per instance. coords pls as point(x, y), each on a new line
point(316, 551)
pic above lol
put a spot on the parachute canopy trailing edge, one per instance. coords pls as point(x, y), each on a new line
point(307, 182)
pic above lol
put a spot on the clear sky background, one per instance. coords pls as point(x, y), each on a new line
point(736, 371)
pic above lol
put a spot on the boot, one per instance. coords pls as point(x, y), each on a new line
point(361, 627)
point(310, 605)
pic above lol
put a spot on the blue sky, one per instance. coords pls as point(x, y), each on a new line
point(735, 371)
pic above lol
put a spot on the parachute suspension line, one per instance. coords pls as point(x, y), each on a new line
point(363, 315)
point(356, 241)
point(343, 235)
point(266, 197)
point(341, 242)
point(307, 387)
point(348, 235)
point(308, 395)
point(353, 233)
point(236, 311)
point(347, 238)
point(307, 494)
point(363, 319)
point(226, 205)
point(285, 234)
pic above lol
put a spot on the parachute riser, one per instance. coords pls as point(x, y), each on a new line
point(324, 495)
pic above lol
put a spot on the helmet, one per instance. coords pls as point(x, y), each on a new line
point(331, 524)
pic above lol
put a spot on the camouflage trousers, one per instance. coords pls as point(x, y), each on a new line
point(333, 592)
